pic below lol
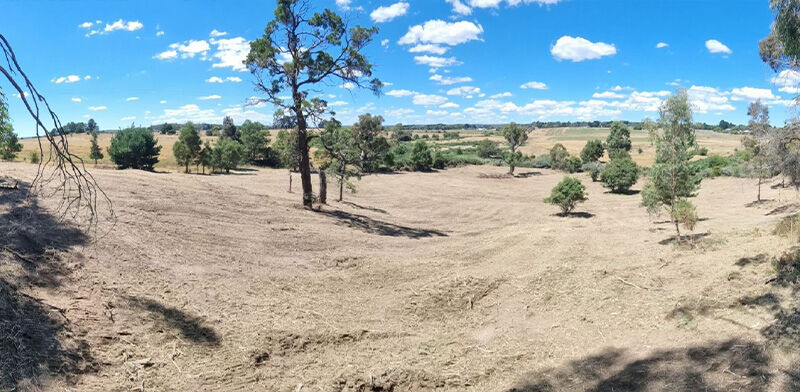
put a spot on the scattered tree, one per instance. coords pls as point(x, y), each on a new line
point(621, 173)
point(226, 155)
point(255, 142)
point(421, 158)
point(167, 129)
point(592, 151)
point(187, 148)
point(95, 153)
point(515, 136)
point(134, 148)
point(672, 179)
point(316, 47)
point(568, 193)
point(341, 155)
point(229, 130)
point(488, 149)
point(372, 146)
point(619, 138)
point(761, 164)
point(206, 156)
point(91, 127)
point(9, 143)
point(286, 146)
point(558, 156)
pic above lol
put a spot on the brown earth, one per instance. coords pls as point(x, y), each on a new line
point(455, 280)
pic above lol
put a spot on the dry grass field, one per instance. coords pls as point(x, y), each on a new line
point(458, 280)
point(539, 142)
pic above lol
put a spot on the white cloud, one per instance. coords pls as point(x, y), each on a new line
point(186, 113)
point(608, 95)
point(441, 32)
point(191, 48)
point(459, 7)
point(129, 118)
point(446, 81)
point(233, 79)
point(97, 108)
point(752, 94)
point(502, 95)
point(215, 79)
point(428, 100)
point(338, 103)
point(162, 101)
point(85, 25)
point(166, 55)
point(436, 62)
point(661, 45)
point(130, 99)
point(429, 48)
point(787, 77)
point(209, 97)
point(449, 105)
point(216, 33)
point(790, 90)
point(344, 4)
point(386, 14)
point(159, 33)
point(398, 112)
point(578, 49)
point(385, 43)
point(348, 86)
point(231, 53)
point(715, 46)
point(709, 99)
point(436, 112)
point(66, 79)
point(400, 93)
point(76, 99)
point(24, 93)
point(116, 26)
point(533, 86)
point(464, 91)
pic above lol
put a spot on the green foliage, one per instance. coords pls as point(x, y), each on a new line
point(592, 151)
point(9, 143)
point(95, 153)
point(371, 145)
point(187, 148)
point(567, 194)
point(620, 174)
point(672, 177)
point(340, 155)
point(542, 162)
point(205, 159)
point(34, 157)
point(229, 130)
point(255, 142)
point(594, 168)
point(167, 129)
point(515, 136)
point(619, 138)
point(781, 48)
point(488, 149)
point(226, 155)
point(286, 147)
point(558, 157)
point(572, 165)
point(399, 135)
point(789, 226)
point(91, 127)
point(183, 155)
point(684, 212)
point(421, 159)
point(134, 148)
point(787, 266)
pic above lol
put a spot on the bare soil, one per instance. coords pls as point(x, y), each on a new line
point(458, 280)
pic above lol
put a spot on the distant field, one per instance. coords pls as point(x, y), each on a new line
point(539, 142)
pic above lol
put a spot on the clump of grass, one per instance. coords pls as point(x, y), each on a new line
point(787, 266)
point(789, 226)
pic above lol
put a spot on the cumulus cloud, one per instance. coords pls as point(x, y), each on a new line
point(128, 118)
point(789, 80)
point(209, 97)
point(502, 95)
point(385, 43)
point(446, 81)
point(752, 94)
point(67, 79)
point(167, 55)
point(715, 46)
point(131, 99)
point(97, 108)
point(578, 49)
point(706, 99)
point(459, 7)
point(186, 113)
point(398, 112)
point(608, 95)
point(116, 26)
point(215, 79)
point(661, 45)
point(231, 53)
point(216, 33)
point(441, 32)
point(429, 48)
point(464, 91)
point(533, 86)
point(386, 14)
point(436, 62)
point(400, 93)
point(449, 105)
point(76, 99)
point(428, 100)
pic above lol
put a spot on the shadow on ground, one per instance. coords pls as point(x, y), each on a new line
point(732, 365)
point(374, 226)
point(189, 326)
point(36, 342)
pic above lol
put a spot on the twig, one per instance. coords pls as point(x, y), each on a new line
point(635, 285)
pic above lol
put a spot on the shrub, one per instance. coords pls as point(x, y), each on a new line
point(572, 164)
point(227, 154)
point(567, 194)
point(640, 150)
point(558, 156)
point(33, 156)
point(788, 266)
point(592, 151)
point(789, 226)
point(685, 213)
point(620, 174)
point(421, 158)
point(594, 169)
point(619, 138)
point(134, 148)
point(401, 135)
point(542, 162)
point(488, 149)
point(702, 151)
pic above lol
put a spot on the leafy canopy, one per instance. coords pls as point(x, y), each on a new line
point(567, 194)
point(134, 148)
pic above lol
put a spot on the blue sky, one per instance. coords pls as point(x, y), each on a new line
point(449, 61)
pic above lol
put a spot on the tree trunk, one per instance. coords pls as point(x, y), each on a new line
point(341, 187)
point(323, 187)
point(290, 181)
point(187, 169)
point(677, 230)
point(302, 144)
point(511, 169)
point(759, 189)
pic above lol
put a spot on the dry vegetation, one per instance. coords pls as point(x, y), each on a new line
point(456, 280)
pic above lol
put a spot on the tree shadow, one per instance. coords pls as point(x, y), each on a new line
point(684, 237)
point(36, 342)
point(786, 208)
point(189, 326)
point(580, 214)
point(374, 226)
point(732, 365)
point(760, 258)
point(757, 203)
point(528, 174)
point(373, 209)
point(627, 192)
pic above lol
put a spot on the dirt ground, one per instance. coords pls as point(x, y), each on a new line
point(458, 280)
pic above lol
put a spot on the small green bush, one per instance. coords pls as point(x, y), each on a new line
point(421, 158)
point(572, 164)
point(558, 156)
point(134, 148)
point(488, 149)
point(567, 194)
point(620, 174)
point(787, 266)
point(592, 151)
point(33, 156)
point(789, 226)
point(227, 154)
point(594, 169)
point(542, 162)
